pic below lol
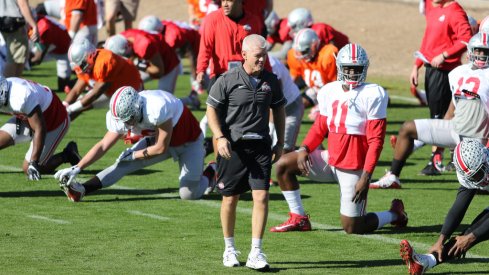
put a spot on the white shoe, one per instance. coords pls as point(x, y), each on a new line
point(230, 257)
point(74, 191)
point(257, 260)
point(210, 173)
point(389, 180)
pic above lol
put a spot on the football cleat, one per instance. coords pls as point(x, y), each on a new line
point(74, 191)
point(295, 222)
point(257, 260)
point(430, 170)
point(438, 162)
point(194, 101)
point(210, 173)
point(416, 263)
point(397, 206)
point(70, 153)
point(230, 257)
point(450, 167)
point(388, 181)
point(393, 141)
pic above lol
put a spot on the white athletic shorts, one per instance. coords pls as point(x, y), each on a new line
point(438, 132)
point(51, 142)
point(293, 117)
point(321, 171)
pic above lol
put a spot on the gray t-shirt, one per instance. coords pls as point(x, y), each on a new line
point(471, 119)
point(242, 108)
point(9, 8)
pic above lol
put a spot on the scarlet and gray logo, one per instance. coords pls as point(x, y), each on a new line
point(220, 185)
point(265, 87)
point(247, 28)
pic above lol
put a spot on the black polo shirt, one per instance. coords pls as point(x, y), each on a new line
point(243, 108)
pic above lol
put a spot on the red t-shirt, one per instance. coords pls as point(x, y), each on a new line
point(447, 29)
point(178, 36)
point(52, 33)
point(221, 40)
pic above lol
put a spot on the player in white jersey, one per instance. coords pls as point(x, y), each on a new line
point(467, 115)
point(39, 117)
point(173, 132)
point(353, 118)
point(471, 160)
point(294, 110)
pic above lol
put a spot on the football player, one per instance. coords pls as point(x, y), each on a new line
point(38, 117)
point(470, 99)
point(172, 132)
point(471, 161)
point(278, 33)
point(353, 118)
point(312, 62)
point(102, 70)
point(54, 41)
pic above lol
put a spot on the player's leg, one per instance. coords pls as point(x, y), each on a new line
point(129, 11)
point(294, 113)
point(354, 218)
point(193, 183)
point(111, 9)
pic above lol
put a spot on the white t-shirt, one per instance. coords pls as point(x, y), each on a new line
point(290, 90)
point(25, 95)
point(158, 107)
point(348, 112)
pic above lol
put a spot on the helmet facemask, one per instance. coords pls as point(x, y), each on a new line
point(478, 50)
point(352, 64)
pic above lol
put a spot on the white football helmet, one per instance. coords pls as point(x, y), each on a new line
point(306, 44)
point(271, 22)
point(81, 54)
point(471, 160)
point(352, 55)
point(479, 41)
point(119, 45)
point(299, 19)
point(125, 105)
point(151, 24)
point(4, 90)
point(484, 26)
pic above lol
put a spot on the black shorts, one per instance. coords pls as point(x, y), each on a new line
point(438, 92)
point(249, 168)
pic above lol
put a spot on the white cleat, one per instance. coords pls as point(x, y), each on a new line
point(388, 181)
point(257, 260)
point(230, 257)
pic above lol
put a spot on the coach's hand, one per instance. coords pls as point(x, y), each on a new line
point(361, 188)
point(277, 152)
point(303, 161)
point(224, 147)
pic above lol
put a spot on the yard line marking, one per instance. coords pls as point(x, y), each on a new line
point(10, 168)
point(403, 98)
point(152, 216)
point(332, 229)
point(48, 219)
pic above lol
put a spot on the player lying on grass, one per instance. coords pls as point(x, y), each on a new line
point(471, 161)
point(171, 132)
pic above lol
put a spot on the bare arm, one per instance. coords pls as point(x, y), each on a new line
point(76, 19)
point(223, 145)
point(162, 143)
point(98, 89)
point(38, 126)
point(99, 149)
point(156, 67)
point(26, 13)
point(80, 86)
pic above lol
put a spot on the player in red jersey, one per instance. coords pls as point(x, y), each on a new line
point(353, 118)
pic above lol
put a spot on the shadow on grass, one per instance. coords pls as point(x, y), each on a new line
point(121, 192)
point(405, 105)
point(247, 197)
point(304, 265)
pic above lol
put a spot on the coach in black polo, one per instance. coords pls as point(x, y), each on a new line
point(238, 108)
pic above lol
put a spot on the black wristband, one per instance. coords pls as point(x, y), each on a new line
point(145, 153)
point(217, 138)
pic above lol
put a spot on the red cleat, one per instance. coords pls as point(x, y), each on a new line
point(415, 263)
point(397, 206)
point(419, 95)
point(296, 222)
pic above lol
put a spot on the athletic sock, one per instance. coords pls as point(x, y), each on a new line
point(256, 243)
point(294, 201)
point(229, 242)
point(397, 166)
point(385, 217)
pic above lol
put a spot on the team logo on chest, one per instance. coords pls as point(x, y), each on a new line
point(265, 87)
point(247, 28)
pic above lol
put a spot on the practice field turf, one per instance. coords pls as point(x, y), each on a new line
point(140, 226)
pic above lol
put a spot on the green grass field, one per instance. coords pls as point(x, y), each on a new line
point(140, 226)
